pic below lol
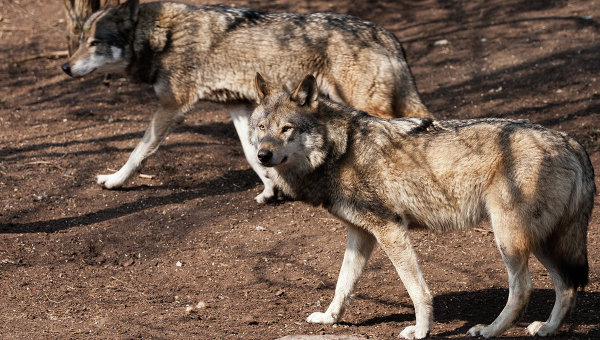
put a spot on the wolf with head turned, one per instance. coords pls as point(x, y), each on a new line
point(382, 176)
point(190, 53)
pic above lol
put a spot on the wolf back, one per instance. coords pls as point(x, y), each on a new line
point(223, 47)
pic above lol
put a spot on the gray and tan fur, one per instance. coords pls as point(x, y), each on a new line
point(382, 176)
point(190, 53)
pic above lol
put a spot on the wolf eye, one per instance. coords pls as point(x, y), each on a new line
point(286, 129)
point(261, 127)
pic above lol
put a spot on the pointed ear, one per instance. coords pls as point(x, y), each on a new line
point(262, 88)
point(307, 93)
point(129, 10)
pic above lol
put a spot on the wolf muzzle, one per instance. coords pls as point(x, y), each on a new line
point(268, 158)
point(66, 67)
point(265, 156)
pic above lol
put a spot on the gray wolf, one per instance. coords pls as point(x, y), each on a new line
point(382, 176)
point(190, 53)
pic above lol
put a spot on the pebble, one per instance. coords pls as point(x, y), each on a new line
point(442, 42)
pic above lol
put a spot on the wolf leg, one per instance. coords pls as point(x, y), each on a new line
point(396, 244)
point(160, 126)
point(240, 115)
point(565, 299)
point(359, 247)
point(515, 255)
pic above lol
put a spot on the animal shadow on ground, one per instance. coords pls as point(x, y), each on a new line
point(464, 306)
point(244, 180)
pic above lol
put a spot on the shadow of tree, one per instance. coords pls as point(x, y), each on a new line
point(207, 188)
point(13, 154)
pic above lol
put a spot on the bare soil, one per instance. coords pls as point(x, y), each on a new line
point(78, 261)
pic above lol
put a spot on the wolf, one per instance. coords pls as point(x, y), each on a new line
point(190, 53)
point(382, 176)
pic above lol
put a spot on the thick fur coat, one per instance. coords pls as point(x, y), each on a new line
point(382, 176)
point(190, 53)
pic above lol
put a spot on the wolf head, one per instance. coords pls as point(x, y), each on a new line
point(284, 127)
point(103, 43)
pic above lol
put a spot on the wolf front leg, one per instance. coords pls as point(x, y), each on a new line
point(359, 247)
point(240, 115)
point(394, 240)
point(162, 123)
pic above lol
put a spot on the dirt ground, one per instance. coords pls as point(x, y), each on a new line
point(78, 261)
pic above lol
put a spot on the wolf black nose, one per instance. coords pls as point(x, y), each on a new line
point(67, 68)
point(264, 155)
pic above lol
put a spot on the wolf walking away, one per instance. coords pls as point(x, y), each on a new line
point(189, 53)
point(382, 176)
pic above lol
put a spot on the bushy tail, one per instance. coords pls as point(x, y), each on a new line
point(567, 246)
point(406, 99)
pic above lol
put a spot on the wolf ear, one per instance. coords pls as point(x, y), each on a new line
point(129, 10)
point(307, 93)
point(262, 88)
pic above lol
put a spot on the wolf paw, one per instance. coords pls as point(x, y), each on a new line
point(110, 181)
point(267, 195)
point(323, 318)
point(481, 330)
point(412, 332)
point(539, 328)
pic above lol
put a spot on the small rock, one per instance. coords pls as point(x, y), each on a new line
point(179, 264)
point(442, 42)
point(249, 320)
point(128, 262)
point(41, 197)
point(280, 292)
point(195, 309)
point(260, 228)
point(496, 90)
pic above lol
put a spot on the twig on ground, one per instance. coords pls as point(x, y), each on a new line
point(485, 231)
point(124, 286)
point(48, 55)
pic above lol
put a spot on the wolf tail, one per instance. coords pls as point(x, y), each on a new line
point(406, 98)
point(567, 245)
point(406, 101)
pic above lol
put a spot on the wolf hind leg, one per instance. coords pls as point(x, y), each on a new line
point(359, 246)
point(512, 243)
point(162, 123)
point(565, 297)
point(240, 115)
